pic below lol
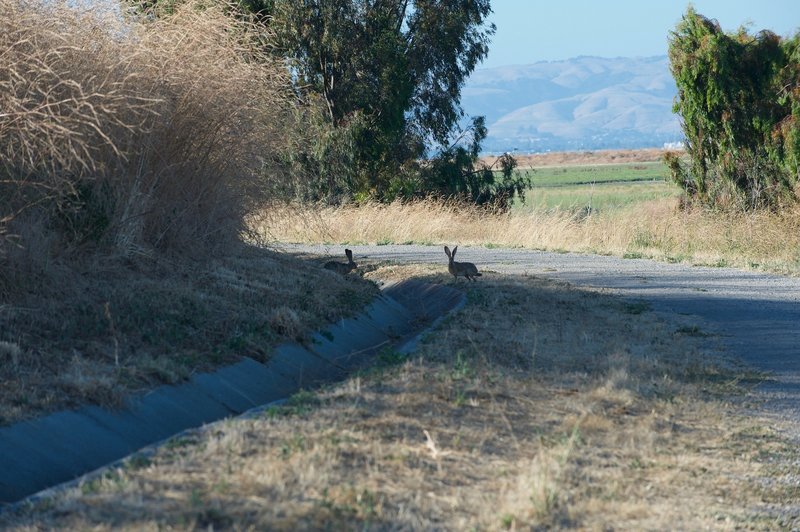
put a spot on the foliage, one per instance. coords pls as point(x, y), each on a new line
point(739, 97)
point(321, 157)
point(387, 76)
point(455, 173)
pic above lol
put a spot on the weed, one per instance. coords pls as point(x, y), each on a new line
point(137, 461)
point(389, 357)
point(367, 502)
point(632, 255)
point(580, 440)
point(463, 369)
point(296, 443)
point(691, 330)
point(111, 478)
point(637, 227)
point(179, 442)
point(125, 111)
point(203, 316)
point(636, 307)
point(301, 403)
point(637, 463)
point(91, 487)
point(460, 398)
point(273, 411)
point(507, 521)
point(643, 238)
point(196, 498)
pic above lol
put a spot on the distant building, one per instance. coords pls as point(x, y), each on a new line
point(674, 146)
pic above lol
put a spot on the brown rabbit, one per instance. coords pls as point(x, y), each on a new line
point(467, 269)
point(342, 267)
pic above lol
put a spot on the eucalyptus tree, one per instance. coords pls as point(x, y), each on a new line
point(389, 74)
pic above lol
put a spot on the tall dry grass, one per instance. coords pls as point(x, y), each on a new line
point(656, 229)
point(150, 133)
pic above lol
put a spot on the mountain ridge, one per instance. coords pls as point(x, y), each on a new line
point(583, 103)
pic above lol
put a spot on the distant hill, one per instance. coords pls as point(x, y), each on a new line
point(586, 103)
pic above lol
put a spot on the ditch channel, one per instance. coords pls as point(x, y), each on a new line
point(46, 452)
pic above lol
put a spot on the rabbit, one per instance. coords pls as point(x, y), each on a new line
point(467, 269)
point(342, 267)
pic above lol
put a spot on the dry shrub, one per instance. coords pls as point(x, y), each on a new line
point(151, 133)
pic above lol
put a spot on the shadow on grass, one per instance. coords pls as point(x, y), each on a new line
point(520, 410)
point(110, 326)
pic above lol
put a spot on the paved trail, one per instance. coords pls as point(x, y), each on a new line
point(756, 315)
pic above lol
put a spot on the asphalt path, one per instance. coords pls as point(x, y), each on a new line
point(754, 316)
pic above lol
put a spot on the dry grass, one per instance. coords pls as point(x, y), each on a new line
point(538, 406)
point(131, 151)
point(124, 326)
point(143, 135)
point(655, 229)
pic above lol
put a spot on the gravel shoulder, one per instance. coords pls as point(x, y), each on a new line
point(753, 316)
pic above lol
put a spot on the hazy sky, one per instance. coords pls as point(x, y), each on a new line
point(545, 30)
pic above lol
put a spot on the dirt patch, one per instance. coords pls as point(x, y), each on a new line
point(538, 405)
point(584, 157)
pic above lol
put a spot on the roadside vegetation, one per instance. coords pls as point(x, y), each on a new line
point(739, 100)
point(131, 152)
point(536, 406)
point(627, 219)
point(148, 159)
point(131, 137)
point(128, 327)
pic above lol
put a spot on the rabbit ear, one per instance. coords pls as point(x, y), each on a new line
point(454, 251)
point(447, 250)
point(349, 254)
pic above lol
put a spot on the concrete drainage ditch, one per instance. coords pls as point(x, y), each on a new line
point(41, 453)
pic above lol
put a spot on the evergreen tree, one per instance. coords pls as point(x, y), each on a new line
point(738, 96)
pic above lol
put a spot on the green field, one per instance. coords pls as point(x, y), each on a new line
point(554, 176)
point(599, 187)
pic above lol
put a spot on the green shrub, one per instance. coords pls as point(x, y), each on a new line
point(738, 95)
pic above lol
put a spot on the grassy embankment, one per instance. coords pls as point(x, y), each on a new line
point(623, 209)
point(537, 406)
point(129, 159)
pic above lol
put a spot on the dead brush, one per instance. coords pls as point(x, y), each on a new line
point(131, 150)
point(151, 133)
